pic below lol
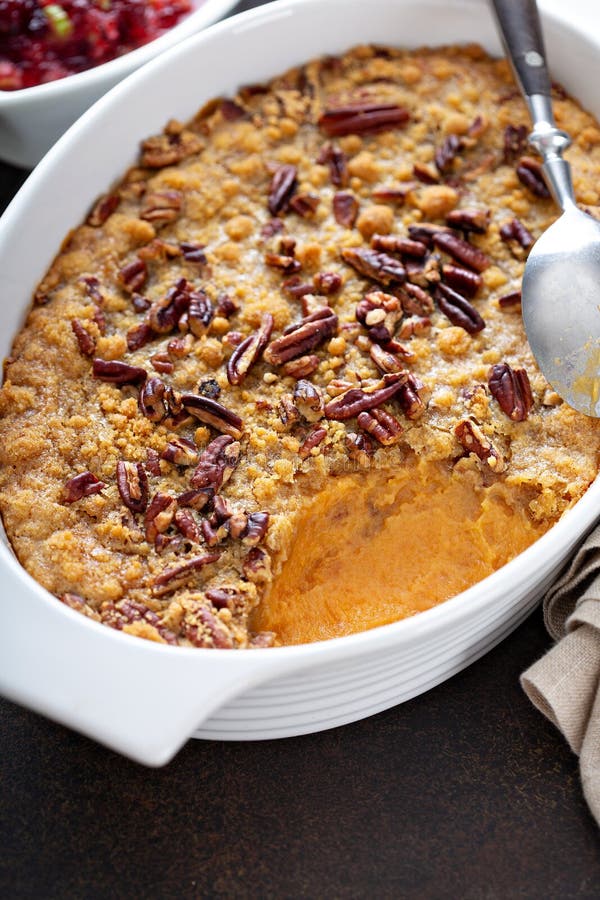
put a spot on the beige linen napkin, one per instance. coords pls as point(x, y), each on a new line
point(564, 684)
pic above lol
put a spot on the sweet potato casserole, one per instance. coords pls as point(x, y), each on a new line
point(276, 387)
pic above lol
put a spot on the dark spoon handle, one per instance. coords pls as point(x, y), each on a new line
point(522, 34)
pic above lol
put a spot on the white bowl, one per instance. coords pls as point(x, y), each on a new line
point(143, 699)
point(32, 119)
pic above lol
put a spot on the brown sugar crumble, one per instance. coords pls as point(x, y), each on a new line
point(290, 337)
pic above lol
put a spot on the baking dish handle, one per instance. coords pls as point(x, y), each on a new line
point(139, 698)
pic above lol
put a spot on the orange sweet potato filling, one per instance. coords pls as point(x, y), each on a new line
point(388, 545)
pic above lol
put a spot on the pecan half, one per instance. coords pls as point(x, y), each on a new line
point(355, 401)
point(217, 464)
point(85, 341)
point(359, 448)
point(172, 578)
point(200, 313)
point(381, 425)
point(469, 218)
point(376, 265)
point(132, 483)
point(393, 243)
point(458, 309)
point(151, 400)
point(471, 437)
point(345, 209)
point(102, 209)
point(159, 515)
point(308, 401)
point(461, 250)
point(334, 157)
point(315, 436)
point(161, 207)
point(115, 372)
point(362, 118)
point(305, 335)
point(181, 452)
point(249, 351)
point(512, 390)
point(529, 173)
point(465, 281)
point(83, 485)
point(212, 413)
point(283, 185)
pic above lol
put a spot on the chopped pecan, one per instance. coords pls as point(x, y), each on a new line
point(140, 303)
point(161, 207)
point(376, 265)
point(282, 261)
point(172, 578)
point(295, 287)
point(305, 335)
point(80, 605)
point(414, 326)
point(126, 612)
point(415, 301)
point(461, 250)
point(394, 194)
point(181, 451)
point(151, 400)
point(139, 336)
point(393, 243)
point(85, 341)
point(301, 367)
point(327, 283)
point(381, 425)
point(238, 523)
point(409, 397)
point(102, 209)
point(529, 173)
point(162, 363)
point(345, 209)
point(168, 149)
point(334, 157)
point(159, 515)
point(196, 499)
point(180, 346)
point(514, 230)
point(224, 597)
point(305, 205)
point(315, 436)
point(354, 401)
point(465, 281)
point(231, 111)
point(385, 361)
point(200, 312)
point(515, 142)
point(133, 276)
point(458, 309)
point(288, 413)
point(132, 483)
point(308, 401)
point(512, 390)
point(159, 251)
point(92, 288)
point(283, 185)
point(212, 413)
point(207, 631)
point(359, 448)
point(115, 372)
point(362, 118)
point(152, 461)
point(217, 464)
point(379, 313)
point(424, 232)
point(193, 253)
point(446, 153)
point(214, 534)
point(256, 528)
point(469, 218)
point(424, 273)
point(249, 351)
point(425, 174)
point(83, 485)
point(187, 525)
point(257, 565)
point(163, 316)
point(472, 438)
point(509, 300)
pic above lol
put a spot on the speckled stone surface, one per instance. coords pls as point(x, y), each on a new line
point(464, 792)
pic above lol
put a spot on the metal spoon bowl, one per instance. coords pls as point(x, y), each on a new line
point(561, 281)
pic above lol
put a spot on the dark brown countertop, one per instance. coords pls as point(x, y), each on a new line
point(463, 792)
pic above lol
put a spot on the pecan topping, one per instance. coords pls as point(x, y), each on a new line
point(132, 483)
point(181, 452)
point(529, 173)
point(159, 515)
point(140, 303)
point(385, 428)
point(231, 111)
point(392, 243)
point(162, 363)
point(161, 207)
point(214, 534)
point(256, 528)
point(469, 218)
point(115, 372)
point(362, 118)
point(209, 388)
point(425, 232)
point(345, 209)
point(425, 174)
point(512, 390)
point(257, 565)
point(196, 499)
point(409, 397)
point(515, 142)
point(167, 149)
point(208, 632)
point(85, 341)
point(133, 275)
point(315, 436)
point(193, 253)
point(212, 413)
point(308, 401)
point(415, 326)
point(461, 250)
point(472, 438)
point(152, 461)
point(164, 315)
point(102, 209)
point(465, 281)
point(200, 313)
point(458, 309)
point(301, 367)
point(393, 194)
point(379, 312)
point(305, 335)
point(514, 230)
point(176, 576)
point(335, 158)
point(282, 261)
point(376, 265)
point(386, 362)
point(354, 401)
point(360, 448)
point(415, 301)
point(83, 485)
point(216, 465)
point(139, 336)
point(327, 283)
point(512, 299)
point(119, 615)
point(305, 205)
point(151, 400)
point(444, 155)
point(249, 351)
point(187, 525)
point(283, 185)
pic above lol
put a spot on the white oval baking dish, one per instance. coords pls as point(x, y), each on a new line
point(143, 699)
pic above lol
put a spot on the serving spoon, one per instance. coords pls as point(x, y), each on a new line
point(561, 281)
